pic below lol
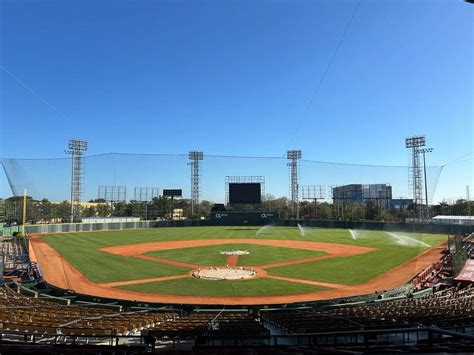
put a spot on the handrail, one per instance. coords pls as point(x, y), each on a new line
point(274, 337)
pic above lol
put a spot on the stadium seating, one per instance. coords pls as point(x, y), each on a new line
point(27, 314)
point(436, 273)
point(212, 324)
point(451, 308)
point(451, 305)
point(38, 316)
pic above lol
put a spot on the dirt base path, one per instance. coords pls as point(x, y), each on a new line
point(232, 260)
point(59, 272)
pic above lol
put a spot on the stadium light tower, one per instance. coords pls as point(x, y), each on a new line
point(76, 149)
point(415, 180)
point(294, 156)
point(195, 163)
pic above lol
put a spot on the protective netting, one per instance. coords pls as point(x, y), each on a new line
point(51, 178)
point(459, 246)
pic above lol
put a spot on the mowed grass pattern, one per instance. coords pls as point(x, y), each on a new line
point(100, 267)
point(259, 254)
point(81, 249)
point(350, 270)
point(199, 287)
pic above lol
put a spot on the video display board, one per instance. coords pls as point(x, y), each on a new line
point(172, 192)
point(245, 193)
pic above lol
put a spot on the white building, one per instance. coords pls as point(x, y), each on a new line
point(463, 220)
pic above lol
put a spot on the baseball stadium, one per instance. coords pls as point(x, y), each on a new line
point(178, 277)
point(236, 177)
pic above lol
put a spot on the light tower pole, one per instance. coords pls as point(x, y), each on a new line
point(424, 151)
point(76, 149)
point(294, 156)
point(195, 163)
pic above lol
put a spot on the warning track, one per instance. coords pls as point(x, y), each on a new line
point(58, 272)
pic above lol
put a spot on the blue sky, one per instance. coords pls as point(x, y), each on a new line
point(235, 78)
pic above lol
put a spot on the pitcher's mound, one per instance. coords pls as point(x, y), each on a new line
point(215, 273)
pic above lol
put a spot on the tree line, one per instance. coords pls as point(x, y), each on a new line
point(45, 211)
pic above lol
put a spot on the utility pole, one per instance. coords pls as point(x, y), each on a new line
point(24, 214)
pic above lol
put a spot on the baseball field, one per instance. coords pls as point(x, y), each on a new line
point(291, 264)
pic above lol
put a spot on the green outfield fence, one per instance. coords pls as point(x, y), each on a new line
point(85, 227)
point(249, 219)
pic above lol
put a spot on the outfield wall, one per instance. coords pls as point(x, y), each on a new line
point(249, 219)
point(85, 227)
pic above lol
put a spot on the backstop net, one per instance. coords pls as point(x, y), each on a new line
point(51, 178)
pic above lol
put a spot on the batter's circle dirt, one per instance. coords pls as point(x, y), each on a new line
point(58, 272)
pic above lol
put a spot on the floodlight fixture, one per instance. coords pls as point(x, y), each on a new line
point(196, 155)
point(77, 145)
point(294, 154)
point(415, 142)
point(425, 150)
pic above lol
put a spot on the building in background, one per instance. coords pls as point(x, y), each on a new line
point(463, 220)
point(380, 194)
point(110, 219)
point(3, 213)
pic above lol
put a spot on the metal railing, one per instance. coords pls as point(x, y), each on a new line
point(399, 336)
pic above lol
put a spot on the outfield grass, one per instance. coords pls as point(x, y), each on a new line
point(394, 249)
point(259, 254)
point(99, 267)
point(199, 287)
point(350, 270)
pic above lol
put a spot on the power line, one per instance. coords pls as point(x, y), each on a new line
point(29, 89)
point(457, 160)
point(326, 70)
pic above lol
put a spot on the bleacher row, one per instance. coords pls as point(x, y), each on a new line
point(211, 324)
point(38, 316)
point(448, 307)
point(451, 307)
point(436, 273)
point(35, 315)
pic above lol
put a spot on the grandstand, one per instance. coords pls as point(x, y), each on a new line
point(392, 323)
point(446, 308)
